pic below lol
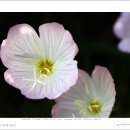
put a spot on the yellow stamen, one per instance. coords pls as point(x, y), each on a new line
point(94, 107)
point(45, 67)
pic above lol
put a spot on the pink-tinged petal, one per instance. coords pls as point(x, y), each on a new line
point(107, 110)
point(17, 78)
point(58, 42)
point(124, 45)
point(83, 87)
point(25, 82)
point(22, 42)
point(3, 52)
point(13, 61)
point(102, 78)
point(8, 78)
point(87, 84)
point(65, 109)
point(125, 17)
point(61, 81)
point(105, 84)
point(122, 26)
point(108, 101)
point(119, 28)
point(33, 91)
point(68, 73)
point(126, 21)
point(49, 89)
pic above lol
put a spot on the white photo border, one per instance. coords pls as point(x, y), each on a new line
point(61, 123)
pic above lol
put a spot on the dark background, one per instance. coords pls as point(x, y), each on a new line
point(97, 46)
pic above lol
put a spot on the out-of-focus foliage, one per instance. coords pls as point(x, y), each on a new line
point(97, 46)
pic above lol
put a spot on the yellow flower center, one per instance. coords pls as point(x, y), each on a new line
point(45, 67)
point(94, 107)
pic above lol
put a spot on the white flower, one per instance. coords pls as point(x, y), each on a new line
point(40, 66)
point(90, 97)
point(122, 31)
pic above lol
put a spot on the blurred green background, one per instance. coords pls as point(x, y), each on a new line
point(97, 46)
